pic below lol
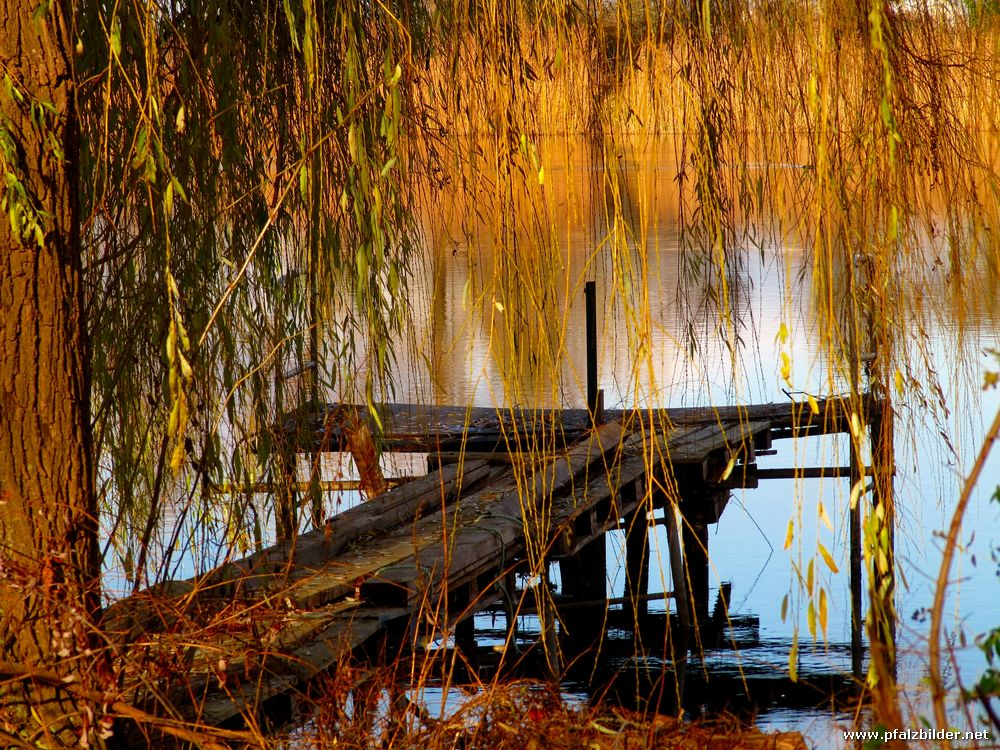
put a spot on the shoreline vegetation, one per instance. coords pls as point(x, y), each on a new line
point(257, 183)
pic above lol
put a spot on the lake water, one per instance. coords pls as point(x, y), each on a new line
point(472, 354)
point(491, 327)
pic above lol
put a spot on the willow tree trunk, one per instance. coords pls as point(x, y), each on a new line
point(49, 566)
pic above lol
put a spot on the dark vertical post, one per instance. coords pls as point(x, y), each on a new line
point(883, 468)
point(547, 617)
point(585, 579)
point(857, 645)
point(695, 537)
point(316, 509)
point(594, 405)
point(509, 591)
point(465, 642)
point(678, 572)
point(285, 517)
point(636, 554)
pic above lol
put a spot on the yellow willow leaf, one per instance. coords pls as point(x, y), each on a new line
point(498, 305)
point(823, 612)
point(786, 368)
point(782, 332)
point(182, 331)
point(541, 175)
point(729, 469)
point(855, 424)
point(790, 534)
point(881, 561)
point(174, 420)
point(811, 619)
point(172, 343)
point(899, 382)
point(828, 558)
point(810, 576)
point(824, 517)
point(856, 491)
point(784, 607)
point(304, 182)
point(186, 370)
point(177, 457)
point(793, 658)
point(813, 404)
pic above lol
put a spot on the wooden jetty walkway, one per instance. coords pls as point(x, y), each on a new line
point(507, 492)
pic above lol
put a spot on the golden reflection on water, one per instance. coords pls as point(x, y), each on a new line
point(498, 302)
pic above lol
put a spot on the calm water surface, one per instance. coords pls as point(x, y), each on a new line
point(592, 223)
point(465, 345)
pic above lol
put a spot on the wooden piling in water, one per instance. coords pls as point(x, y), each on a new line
point(285, 515)
point(678, 571)
point(585, 578)
point(508, 589)
point(547, 617)
point(695, 543)
point(881, 436)
point(854, 523)
point(636, 555)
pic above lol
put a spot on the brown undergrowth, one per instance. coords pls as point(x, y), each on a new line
point(527, 715)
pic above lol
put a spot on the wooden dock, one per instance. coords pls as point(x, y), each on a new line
point(508, 491)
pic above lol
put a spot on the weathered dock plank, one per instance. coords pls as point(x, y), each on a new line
point(495, 536)
point(284, 671)
point(696, 446)
point(302, 555)
point(432, 547)
point(342, 576)
point(443, 429)
point(579, 518)
point(419, 428)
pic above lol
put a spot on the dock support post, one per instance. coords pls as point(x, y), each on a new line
point(510, 606)
point(678, 572)
point(883, 501)
point(595, 398)
point(636, 554)
point(857, 644)
point(465, 642)
point(547, 617)
point(285, 516)
point(585, 578)
point(695, 536)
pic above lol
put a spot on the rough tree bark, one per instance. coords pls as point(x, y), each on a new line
point(49, 566)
